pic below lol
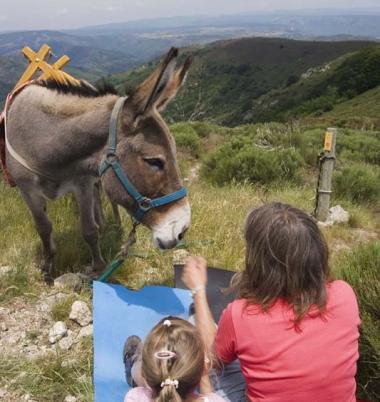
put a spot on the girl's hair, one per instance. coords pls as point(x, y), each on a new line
point(286, 257)
point(185, 366)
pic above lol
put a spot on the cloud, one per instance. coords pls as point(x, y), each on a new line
point(62, 11)
point(3, 18)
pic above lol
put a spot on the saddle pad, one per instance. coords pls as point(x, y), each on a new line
point(218, 280)
point(119, 313)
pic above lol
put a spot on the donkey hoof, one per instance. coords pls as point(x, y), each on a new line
point(48, 279)
point(99, 266)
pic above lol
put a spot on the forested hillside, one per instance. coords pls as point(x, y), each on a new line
point(230, 79)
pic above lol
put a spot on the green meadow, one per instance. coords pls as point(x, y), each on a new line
point(228, 171)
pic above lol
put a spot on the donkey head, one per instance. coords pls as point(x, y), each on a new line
point(147, 153)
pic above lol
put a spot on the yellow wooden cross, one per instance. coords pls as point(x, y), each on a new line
point(37, 62)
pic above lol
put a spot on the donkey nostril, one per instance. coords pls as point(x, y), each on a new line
point(182, 234)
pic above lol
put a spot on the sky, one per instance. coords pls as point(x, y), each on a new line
point(62, 14)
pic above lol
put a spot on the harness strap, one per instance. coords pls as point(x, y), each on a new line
point(110, 160)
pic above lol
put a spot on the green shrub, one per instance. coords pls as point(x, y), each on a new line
point(359, 146)
point(358, 182)
point(240, 160)
point(186, 138)
point(361, 269)
point(204, 129)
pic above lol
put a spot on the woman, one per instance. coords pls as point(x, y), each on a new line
point(292, 328)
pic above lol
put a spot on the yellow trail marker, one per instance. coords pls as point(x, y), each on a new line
point(328, 141)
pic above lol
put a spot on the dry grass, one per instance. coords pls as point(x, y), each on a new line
point(216, 233)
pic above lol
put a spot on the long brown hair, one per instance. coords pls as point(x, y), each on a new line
point(186, 366)
point(286, 257)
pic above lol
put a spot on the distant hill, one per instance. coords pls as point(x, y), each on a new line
point(294, 24)
point(361, 112)
point(320, 89)
point(228, 77)
point(88, 60)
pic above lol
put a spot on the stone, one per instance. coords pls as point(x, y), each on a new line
point(68, 363)
point(69, 281)
point(361, 235)
point(336, 215)
point(86, 331)
point(4, 270)
point(80, 313)
point(179, 256)
point(70, 398)
point(67, 342)
point(3, 327)
point(57, 332)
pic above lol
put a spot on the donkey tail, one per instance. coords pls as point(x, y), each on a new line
point(3, 165)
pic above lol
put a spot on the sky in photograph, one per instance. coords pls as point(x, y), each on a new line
point(55, 14)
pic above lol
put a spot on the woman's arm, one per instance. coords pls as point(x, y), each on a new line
point(195, 278)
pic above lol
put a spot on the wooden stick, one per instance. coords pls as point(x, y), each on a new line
point(327, 162)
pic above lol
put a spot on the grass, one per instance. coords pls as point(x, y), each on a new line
point(218, 215)
point(361, 268)
point(48, 378)
point(61, 310)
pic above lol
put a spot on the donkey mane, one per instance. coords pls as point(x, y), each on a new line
point(84, 89)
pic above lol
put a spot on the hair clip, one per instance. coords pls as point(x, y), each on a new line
point(165, 355)
point(168, 382)
point(168, 323)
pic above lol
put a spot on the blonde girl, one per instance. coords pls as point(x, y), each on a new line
point(173, 365)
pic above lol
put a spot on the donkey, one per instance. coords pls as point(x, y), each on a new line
point(57, 137)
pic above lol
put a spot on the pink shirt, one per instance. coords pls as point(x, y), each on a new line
point(142, 394)
point(280, 364)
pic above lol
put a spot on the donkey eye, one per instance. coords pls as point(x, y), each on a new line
point(156, 163)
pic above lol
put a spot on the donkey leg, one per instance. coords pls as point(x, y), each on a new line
point(37, 206)
point(85, 198)
point(98, 210)
point(116, 214)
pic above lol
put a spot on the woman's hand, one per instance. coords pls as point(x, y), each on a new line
point(195, 272)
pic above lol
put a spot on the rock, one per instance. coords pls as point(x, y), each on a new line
point(361, 235)
point(179, 256)
point(4, 270)
point(336, 215)
point(80, 313)
point(67, 342)
point(70, 398)
point(69, 281)
point(3, 393)
point(86, 331)
point(57, 332)
point(3, 327)
point(68, 363)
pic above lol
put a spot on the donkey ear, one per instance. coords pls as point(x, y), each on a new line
point(150, 91)
point(174, 85)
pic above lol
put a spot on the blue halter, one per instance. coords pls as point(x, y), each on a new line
point(110, 160)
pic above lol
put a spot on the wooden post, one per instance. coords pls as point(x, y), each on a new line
point(327, 162)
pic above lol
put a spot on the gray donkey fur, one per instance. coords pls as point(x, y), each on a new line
point(63, 131)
